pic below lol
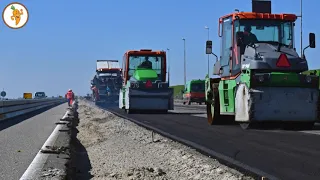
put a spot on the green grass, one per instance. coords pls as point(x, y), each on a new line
point(316, 71)
point(177, 89)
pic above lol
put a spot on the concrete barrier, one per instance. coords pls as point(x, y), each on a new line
point(13, 108)
point(53, 159)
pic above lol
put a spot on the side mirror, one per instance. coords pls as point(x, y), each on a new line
point(312, 40)
point(209, 47)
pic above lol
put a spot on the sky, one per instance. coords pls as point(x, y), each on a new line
point(58, 47)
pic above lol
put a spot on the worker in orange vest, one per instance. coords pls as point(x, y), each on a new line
point(96, 93)
point(70, 97)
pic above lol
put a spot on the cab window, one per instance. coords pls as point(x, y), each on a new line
point(273, 32)
point(136, 62)
point(226, 41)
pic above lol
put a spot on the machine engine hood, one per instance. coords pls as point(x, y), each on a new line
point(265, 56)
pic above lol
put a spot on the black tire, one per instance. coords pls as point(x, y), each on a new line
point(213, 112)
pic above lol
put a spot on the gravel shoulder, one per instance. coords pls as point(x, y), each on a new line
point(109, 147)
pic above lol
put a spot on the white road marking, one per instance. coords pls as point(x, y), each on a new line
point(315, 132)
point(200, 115)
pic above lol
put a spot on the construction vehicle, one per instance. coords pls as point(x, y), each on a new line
point(40, 95)
point(194, 92)
point(260, 79)
point(145, 88)
point(107, 82)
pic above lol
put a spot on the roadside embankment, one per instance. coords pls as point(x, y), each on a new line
point(109, 147)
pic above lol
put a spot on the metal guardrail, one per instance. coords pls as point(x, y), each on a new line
point(13, 108)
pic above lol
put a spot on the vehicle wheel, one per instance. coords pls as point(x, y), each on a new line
point(213, 112)
point(189, 102)
point(200, 103)
point(184, 103)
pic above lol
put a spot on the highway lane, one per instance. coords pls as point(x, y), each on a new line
point(200, 111)
point(21, 139)
point(193, 106)
point(186, 109)
point(284, 154)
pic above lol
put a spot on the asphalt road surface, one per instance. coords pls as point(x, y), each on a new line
point(21, 139)
point(283, 154)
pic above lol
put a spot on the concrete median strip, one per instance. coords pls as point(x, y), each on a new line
point(38, 162)
point(57, 153)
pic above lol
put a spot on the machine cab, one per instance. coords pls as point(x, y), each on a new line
point(194, 92)
point(144, 65)
point(258, 35)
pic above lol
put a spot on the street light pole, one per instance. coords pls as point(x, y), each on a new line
point(184, 60)
point(301, 28)
point(168, 62)
point(206, 27)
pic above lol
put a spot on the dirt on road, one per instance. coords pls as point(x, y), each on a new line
point(109, 147)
